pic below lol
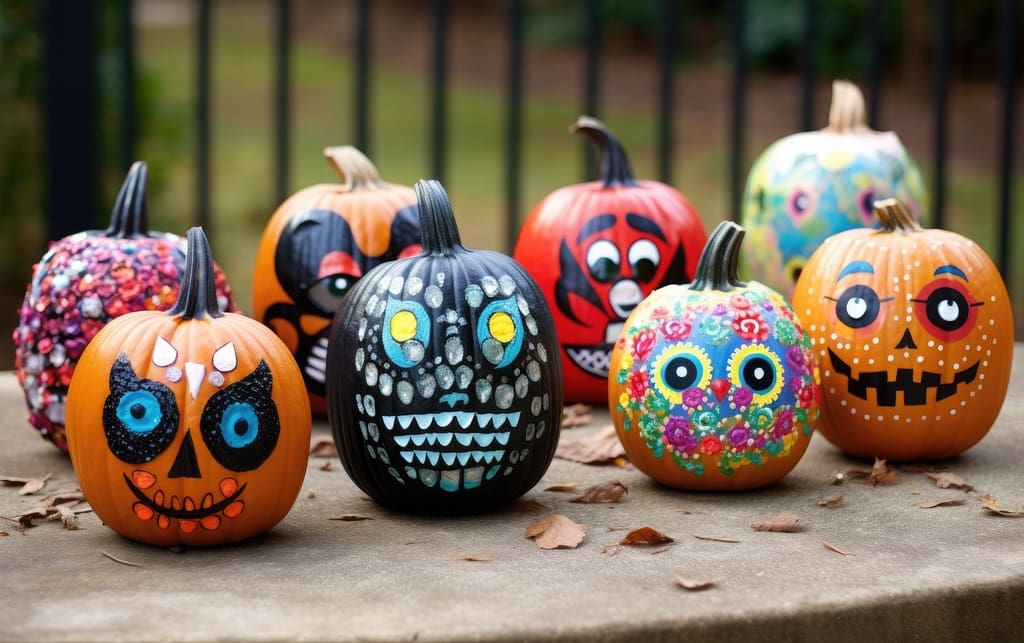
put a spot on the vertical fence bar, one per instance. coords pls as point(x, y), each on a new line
point(438, 133)
point(513, 121)
point(591, 74)
point(808, 68)
point(361, 76)
point(282, 116)
point(1008, 78)
point(126, 64)
point(739, 89)
point(203, 115)
point(943, 45)
point(666, 52)
point(71, 147)
point(874, 71)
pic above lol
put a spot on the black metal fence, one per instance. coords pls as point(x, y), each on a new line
point(71, 117)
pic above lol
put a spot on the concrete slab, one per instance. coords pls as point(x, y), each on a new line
point(945, 574)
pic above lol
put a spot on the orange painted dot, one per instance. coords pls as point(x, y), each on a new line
point(175, 503)
point(190, 504)
point(158, 498)
point(142, 511)
point(235, 508)
point(207, 500)
point(143, 479)
point(187, 526)
point(210, 523)
point(163, 521)
point(228, 486)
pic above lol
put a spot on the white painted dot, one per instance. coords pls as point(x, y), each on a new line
point(906, 354)
point(890, 358)
point(920, 359)
point(874, 340)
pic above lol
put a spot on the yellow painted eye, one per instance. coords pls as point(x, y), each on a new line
point(403, 326)
point(501, 327)
point(758, 368)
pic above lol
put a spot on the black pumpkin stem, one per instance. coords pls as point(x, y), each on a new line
point(895, 217)
point(718, 263)
point(615, 170)
point(198, 296)
point(437, 220)
point(128, 219)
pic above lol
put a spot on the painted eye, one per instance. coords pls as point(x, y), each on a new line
point(140, 416)
point(240, 424)
point(866, 204)
point(946, 309)
point(603, 260)
point(758, 368)
point(678, 368)
point(499, 331)
point(858, 306)
point(800, 203)
point(643, 260)
point(327, 293)
point(406, 332)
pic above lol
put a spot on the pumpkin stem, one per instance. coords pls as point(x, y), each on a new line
point(895, 217)
point(197, 298)
point(128, 218)
point(356, 171)
point(437, 220)
point(615, 170)
point(847, 113)
point(718, 263)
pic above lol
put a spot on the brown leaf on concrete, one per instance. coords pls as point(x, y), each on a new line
point(73, 497)
point(829, 546)
point(831, 501)
point(605, 492)
point(530, 506)
point(474, 558)
point(28, 485)
point(882, 473)
point(3, 533)
point(602, 447)
point(992, 505)
point(646, 536)
point(563, 487)
point(322, 446)
point(576, 415)
point(351, 517)
point(556, 532)
point(783, 522)
point(714, 539)
point(945, 480)
point(66, 515)
point(328, 465)
point(694, 585)
point(24, 520)
point(931, 504)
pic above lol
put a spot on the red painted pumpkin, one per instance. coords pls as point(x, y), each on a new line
point(81, 283)
point(597, 249)
point(191, 426)
point(914, 332)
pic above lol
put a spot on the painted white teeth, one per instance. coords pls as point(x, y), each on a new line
point(502, 438)
point(444, 419)
point(405, 421)
point(464, 419)
point(402, 441)
point(317, 363)
point(389, 421)
point(513, 418)
point(319, 351)
point(406, 455)
point(448, 457)
point(432, 456)
point(431, 439)
point(424, 420)
point(419, 438)
point(421, 456)
point(483, 419)
point(463, 458)
point(444, 439)
point(465, 439)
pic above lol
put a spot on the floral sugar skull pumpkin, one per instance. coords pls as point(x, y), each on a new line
point(712, 384)
point(914, 332)
point(444, 390)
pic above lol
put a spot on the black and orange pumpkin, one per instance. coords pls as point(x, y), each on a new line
point(597, 249)
point(444, 390)
point(191, 426)
point(315, 247)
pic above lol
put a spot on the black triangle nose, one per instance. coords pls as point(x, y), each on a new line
point(906, 341)
point(185, 464)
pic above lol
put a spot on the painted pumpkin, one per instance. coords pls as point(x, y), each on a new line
point(81, 283)
point(913, 329)
point(443, 389)
point(315, 247)
point(713, 386)
point(808, 186)
point(597, 249)
point(191, 426)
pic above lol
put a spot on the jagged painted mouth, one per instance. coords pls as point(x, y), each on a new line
point(206, 506)
point(595, 360)
point(315, 363)
point(915, 393)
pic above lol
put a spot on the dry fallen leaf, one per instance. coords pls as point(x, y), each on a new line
point(829, 546)
point(530, 506)
point(563, 487)
point(34, 485)
point(882, 473)
point(694, 585)
point(576, 415)
point(605, 492)
point(714, 539)
point(328, 465)
point(602, 447)
point(831, 501)
point(476, 558)
point(945, 480)
point(556, 532)
point(948, 502)
point(64, 514)
point(992, 505)
point(24, 520)
point(783, 522)
point(120, 560)
point(322, 446)
point(646, 536)
point(351, 517)
point(3, 533)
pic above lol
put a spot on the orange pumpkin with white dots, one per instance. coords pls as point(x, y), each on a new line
point(191, 426)
point(913, 329)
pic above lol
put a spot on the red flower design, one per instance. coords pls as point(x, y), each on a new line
point(638, 384)
point(676, 328)
point(643, 344)
point(710, 445)
point(749, 325)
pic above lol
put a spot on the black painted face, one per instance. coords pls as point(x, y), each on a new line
point(454, 369)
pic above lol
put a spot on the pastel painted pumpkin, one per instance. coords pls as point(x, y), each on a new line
point(712, 385)
point(808, 186)
point(315, 247)
point(444, 390)
point(191, 426)
point(81, 283)
point(597, 249)
point(914, 332)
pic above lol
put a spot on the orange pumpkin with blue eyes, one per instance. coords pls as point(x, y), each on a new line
point(913, 329)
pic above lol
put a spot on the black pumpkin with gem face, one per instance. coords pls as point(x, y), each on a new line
point(444, 384)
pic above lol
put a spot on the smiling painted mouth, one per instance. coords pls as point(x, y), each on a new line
point(205, 508)
point(915, 393)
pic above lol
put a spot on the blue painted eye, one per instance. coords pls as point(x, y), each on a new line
point(139, 411)
point(499, 330)
point(239, 425)
point(405, 333)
